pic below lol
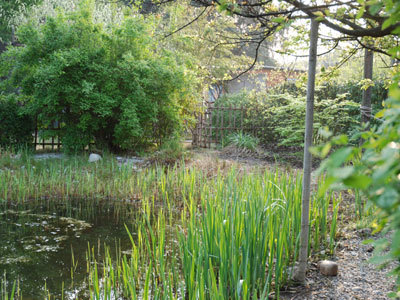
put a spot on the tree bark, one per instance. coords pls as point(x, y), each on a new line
point(366, 101)
point(305, 209)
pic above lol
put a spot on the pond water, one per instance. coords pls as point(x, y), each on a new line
point(40, 241)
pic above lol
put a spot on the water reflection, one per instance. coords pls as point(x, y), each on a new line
point(44, 245)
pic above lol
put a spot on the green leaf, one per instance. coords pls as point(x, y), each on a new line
point(388, 198)
point(387, 23)
point(359, 181)
point(278, 20)
point(360, 12)
point(380, 114)
point(325, 150)
point(375, 8)
point(343, 172)
point(340, 156)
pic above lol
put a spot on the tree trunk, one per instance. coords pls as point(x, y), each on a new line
point(312, 63)
point(366, 101)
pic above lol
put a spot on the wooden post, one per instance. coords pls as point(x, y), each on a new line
point(241, 118)
point(201, 129)
point(36, 136)
point(230, 118)
point(216, 124)
point(234, 111)
point(222, 124)
point(209, 126)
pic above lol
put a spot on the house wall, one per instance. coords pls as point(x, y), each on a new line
point(260, 80)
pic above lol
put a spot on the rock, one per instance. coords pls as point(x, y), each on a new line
point(93, 157)
point(16, 156)
point(328, 268)
point(44, 156)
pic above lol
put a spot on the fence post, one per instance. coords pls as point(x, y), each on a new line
point(216, 124)
point(241, 118)
point(209, 125)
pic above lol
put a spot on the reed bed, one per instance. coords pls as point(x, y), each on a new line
point(198, 236)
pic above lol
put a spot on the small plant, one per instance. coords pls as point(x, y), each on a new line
point(243, 141)
point(170, 152)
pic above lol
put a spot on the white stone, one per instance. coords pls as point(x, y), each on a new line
point(93, 157)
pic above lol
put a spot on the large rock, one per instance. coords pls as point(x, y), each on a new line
point(93, 157)
point(328, 268)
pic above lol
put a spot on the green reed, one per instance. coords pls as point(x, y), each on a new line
point(237, 238)
point(227, 235)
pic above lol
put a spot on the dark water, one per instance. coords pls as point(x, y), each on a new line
point(40, 241)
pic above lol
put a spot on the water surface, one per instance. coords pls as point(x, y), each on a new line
point(43, 245)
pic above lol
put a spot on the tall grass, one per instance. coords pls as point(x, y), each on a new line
point(227, 235)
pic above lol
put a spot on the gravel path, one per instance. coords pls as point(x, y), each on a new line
point(357, 278)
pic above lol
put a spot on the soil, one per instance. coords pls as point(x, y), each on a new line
point(357, 278)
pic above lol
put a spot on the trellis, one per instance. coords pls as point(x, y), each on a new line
point(40, 143)
point(216, 122)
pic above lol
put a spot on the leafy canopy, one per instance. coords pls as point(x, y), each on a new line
point(107, 86)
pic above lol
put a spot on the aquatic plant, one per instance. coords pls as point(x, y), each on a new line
point(228, 234)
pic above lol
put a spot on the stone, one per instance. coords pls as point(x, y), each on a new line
point(328, 268)
point(93, 157)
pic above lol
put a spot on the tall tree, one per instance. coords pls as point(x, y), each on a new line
point(307, 160)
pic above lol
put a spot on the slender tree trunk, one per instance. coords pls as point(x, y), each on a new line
point(366, 101)
point(312, 64)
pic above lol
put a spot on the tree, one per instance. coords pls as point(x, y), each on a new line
point(107, 86)
point(308, 135)
point(8, 10)
point(354, 20)
point(367, 93)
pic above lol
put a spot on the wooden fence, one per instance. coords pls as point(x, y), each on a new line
point(40, 143)
point(215, 123)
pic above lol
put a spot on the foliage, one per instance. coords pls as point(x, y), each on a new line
point(16, 126)
point(170, 152)
point(107, 86)
point(206, 42)
point(243, 141)
point(8, 10)
point(268, 113)
point(374, 169)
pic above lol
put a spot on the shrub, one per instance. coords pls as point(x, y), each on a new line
point(16, 126)
point(278, 119)
point(109, 85)
point(243, 141)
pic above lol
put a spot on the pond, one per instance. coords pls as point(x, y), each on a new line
point(44, 244)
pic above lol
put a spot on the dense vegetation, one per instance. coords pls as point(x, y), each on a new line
point(104, 85)
point(336, 108)
point(203, 232)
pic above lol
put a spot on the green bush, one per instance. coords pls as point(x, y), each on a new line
point(278, 119)
point(243, 141)
point(107, 85)
point(16, 126)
